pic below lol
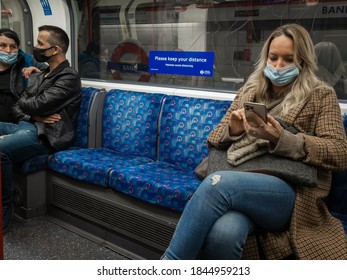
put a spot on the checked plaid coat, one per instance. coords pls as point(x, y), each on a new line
point(313, 233)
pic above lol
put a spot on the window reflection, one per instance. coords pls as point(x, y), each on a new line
point(233, 30)
point(331, 68)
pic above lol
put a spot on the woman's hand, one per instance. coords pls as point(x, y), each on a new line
point(27, 71)
point(270, 131)
point(50, 119)
point(236, 122)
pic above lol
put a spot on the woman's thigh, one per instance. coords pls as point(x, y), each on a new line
point(265, 199)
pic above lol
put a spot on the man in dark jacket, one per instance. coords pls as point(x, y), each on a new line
point(46, 112)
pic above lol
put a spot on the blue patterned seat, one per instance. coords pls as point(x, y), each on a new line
point(130, 131)
point(184, 126)
point(157, 182)
point(40, 162)
point(33, 164)
point(92, 165)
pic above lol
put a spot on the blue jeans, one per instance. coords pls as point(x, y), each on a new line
point(18, 142)
point(223, 212)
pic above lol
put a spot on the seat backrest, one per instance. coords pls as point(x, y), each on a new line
point(185, 123)
point(130, 122)
point(86, 121)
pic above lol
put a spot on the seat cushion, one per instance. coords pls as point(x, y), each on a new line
point(92, 165)
point(33, 164)
point(159, 183)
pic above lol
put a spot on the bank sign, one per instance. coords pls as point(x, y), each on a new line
point(181, 63)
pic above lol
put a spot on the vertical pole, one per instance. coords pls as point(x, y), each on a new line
point(90, 21)
point(1, 235)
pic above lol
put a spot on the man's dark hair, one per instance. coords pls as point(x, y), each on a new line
point(58, 36)
point(10, 34)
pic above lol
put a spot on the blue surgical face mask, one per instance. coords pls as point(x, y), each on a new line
point(281, 76)
point(8, 58)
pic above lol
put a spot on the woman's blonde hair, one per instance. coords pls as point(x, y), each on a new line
point(304, 59)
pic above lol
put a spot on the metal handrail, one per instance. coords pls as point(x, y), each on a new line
point(1, 233)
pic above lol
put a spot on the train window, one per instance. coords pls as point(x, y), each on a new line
point(116, 38)
point(15, 15)
point(5, 14)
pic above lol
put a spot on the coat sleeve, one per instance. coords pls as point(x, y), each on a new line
point(322, 140)
point(64, 89)
point(17, 112)
point(220, 137)
point(328, 146)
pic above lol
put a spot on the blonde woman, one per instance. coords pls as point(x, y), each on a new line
point(230, 208)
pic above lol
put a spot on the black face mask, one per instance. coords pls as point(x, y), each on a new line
point(39, 54)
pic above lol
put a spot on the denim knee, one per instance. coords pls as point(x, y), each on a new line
point(227, 236)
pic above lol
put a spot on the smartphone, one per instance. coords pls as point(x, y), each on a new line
point(258, 108)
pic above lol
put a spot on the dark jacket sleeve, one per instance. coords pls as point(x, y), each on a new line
point(53, 94)
point(51, 99)
point(17, 112)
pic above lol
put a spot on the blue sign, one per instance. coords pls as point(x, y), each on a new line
point(46, 7)
point(181, 63)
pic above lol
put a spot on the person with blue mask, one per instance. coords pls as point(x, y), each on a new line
point(12, 81)
point(251, 215)
point(45, 113)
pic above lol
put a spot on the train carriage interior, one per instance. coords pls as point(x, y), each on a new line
point(119, 191)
